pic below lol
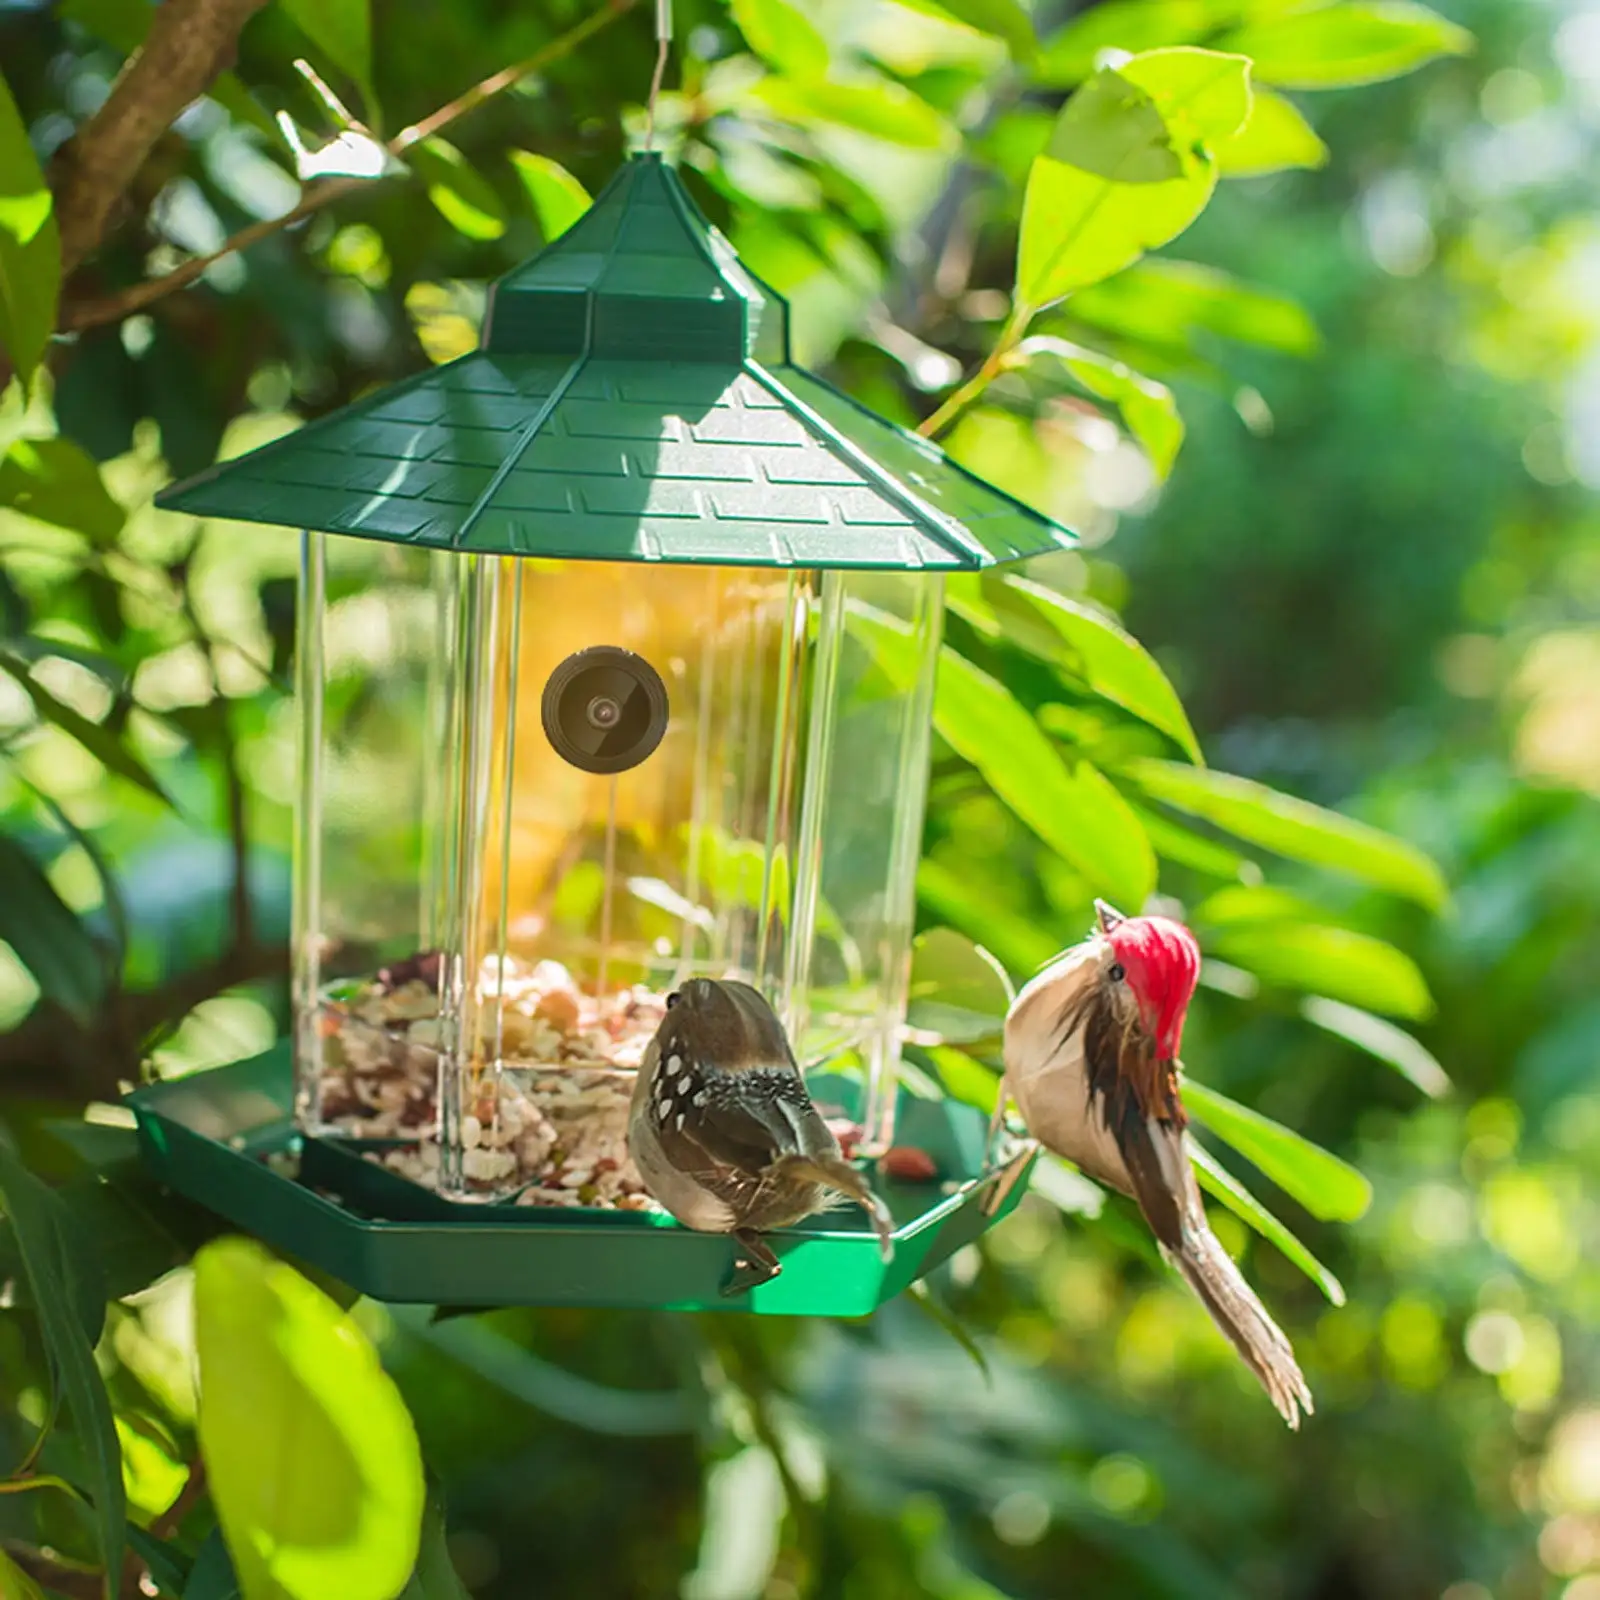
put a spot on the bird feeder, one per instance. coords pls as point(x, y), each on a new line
point(617, 641)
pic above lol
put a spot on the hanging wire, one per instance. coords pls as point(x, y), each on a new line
point(663, 44)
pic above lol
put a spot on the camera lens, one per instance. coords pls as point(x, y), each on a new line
point(604, 712)
point(604, 709)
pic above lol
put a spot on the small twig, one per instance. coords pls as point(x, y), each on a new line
point(112, 308)
point(189, 1496)
point(167, 1524)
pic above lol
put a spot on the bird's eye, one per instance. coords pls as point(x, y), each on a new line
point(673, 999)
point(1118, 972)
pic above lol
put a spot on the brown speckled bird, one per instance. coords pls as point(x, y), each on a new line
point(724, 1132)
point(1091, 1059)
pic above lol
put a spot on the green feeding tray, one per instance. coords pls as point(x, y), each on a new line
point(633, 400)
point(224, 1137)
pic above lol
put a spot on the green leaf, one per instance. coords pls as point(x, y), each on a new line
point(1335, 46)
point(943, 1318)
point(516, 1372)
point(1112, 662)
point(64, 1282)
point(1068, 1190)
point(954, 897)
point(965, 1079)
point(1071, 54)
point(1079, 227)
point(95, 1144)
point(959, 991)
point(30, 246)
point(1380, 1039)
point(783, 36)
point(1316, 959)
point(1185, 848)
point(1165, 302)
point(59, 482)
point(885, 110)
point(342, 31)
point(1148, 409)
point(435, 1577)
point(1113, 128)
point(558, 199)
point(1275, 136)
point(1253, 903)
point(312, 1457)
point(212, 1576)
point(1330, 1189)
point(1216, 1180)
point(1002, 19)
point(168, 1565)
point(15, 1584)
point(101, 742)
point(49, 939)
point(1072, 808)
point(114, 906)
point(1202, 95)
point(1294, 828)
point(459, 192)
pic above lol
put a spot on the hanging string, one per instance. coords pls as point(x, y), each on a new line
point(663, 44)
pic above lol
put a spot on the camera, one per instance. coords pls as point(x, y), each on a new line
point(604, 709)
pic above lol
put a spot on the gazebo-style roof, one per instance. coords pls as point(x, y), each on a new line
point(633, 399)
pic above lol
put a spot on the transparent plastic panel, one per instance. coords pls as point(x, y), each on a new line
point(678, 864)
point(876, 662)
point(552, 906)
point(372, 698)
point(538, 796)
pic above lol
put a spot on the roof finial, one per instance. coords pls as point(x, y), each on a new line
point(663, 44)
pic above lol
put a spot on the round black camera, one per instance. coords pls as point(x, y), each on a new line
point(604, 709)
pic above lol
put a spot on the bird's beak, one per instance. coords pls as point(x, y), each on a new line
point(1109, 916)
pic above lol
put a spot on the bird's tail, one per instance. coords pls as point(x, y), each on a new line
point(840, 1175)
point(1243, 1319)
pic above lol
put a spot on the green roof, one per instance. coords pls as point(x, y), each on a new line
point(633, 400)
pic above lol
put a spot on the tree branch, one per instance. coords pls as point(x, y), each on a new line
point(69, 1581)
point(190, 42)
point(112, 308)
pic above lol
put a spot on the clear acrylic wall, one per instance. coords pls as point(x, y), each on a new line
point(486, 931)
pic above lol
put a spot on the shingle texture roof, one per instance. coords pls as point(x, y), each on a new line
point(633, 400)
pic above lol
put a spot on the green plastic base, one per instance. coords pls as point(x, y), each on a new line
point(209, 1136)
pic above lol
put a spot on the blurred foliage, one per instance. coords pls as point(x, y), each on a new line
point(1373, 577)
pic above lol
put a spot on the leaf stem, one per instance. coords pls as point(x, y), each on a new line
point(992, 366)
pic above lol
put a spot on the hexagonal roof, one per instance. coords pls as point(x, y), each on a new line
point(632, 400)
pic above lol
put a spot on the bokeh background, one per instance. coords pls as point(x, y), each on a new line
point(1373, 576)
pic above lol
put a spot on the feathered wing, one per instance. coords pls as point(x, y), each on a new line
point(1157, 1156)
point(749, 1129)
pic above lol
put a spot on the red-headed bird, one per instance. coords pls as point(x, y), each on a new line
point(1091, 1059)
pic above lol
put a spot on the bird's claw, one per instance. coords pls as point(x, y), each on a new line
point(753, 1266)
